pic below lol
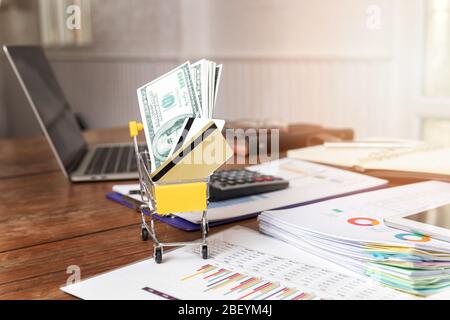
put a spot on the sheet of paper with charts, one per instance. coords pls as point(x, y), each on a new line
point(243, 265)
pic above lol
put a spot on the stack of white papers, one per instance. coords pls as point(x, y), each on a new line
point(350, 231)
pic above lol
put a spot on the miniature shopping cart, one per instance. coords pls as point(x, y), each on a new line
point(166, 198)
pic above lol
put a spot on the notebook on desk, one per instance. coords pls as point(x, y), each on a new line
point(421, 162)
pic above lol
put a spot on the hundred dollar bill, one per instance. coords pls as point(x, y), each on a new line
point(164, 104)
point(212, 79)
point(199, 72)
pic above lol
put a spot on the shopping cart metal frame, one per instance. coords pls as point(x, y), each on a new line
point(149, 198)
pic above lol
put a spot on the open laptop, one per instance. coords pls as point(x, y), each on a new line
point(78, 161)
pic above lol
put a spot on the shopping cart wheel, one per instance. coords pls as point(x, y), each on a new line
point(205, 252)
point(144, 234)
point(158, 255)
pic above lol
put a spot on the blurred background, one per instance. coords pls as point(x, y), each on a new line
point(381, 67)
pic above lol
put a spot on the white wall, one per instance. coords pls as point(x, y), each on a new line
point(146, 28)
point(18, 25)
point(304, 61)
point(135, 42)
point(313, 61)
point(286, 28)
point(292, 60)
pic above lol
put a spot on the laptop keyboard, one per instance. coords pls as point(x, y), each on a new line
point(114, 159)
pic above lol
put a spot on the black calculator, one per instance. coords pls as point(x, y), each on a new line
point(229, 184)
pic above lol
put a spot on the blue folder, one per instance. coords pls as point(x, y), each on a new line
point(174, 221)
point(186, 225)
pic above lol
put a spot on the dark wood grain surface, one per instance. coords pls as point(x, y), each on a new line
point(48, 224)
point(20, 157)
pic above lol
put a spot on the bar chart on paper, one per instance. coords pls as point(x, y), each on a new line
point(231, 274)
point(236, 272)
point(238, 286)
point(242, 265)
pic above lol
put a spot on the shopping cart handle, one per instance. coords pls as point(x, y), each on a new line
point(135, 127)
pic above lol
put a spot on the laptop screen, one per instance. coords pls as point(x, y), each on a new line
point(49, 103)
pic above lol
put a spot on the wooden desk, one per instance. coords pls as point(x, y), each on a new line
point(48, 224)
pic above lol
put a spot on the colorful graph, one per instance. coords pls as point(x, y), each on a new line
point(413, 237)
point(363, 222)
point(235, 285)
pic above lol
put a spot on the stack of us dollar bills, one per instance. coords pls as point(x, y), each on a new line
point(189, 90)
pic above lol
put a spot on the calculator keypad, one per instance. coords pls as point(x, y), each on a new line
point(229, 184)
